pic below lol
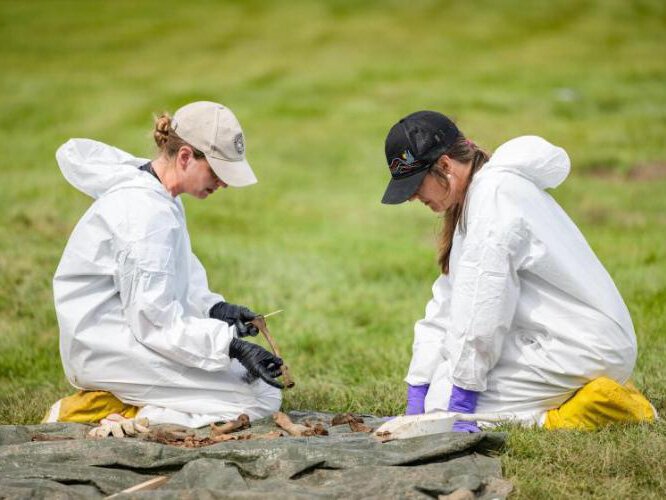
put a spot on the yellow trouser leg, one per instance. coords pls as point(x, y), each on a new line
point(598, 403)
point(89, 407)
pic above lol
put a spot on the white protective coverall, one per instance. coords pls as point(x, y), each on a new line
point(527, 314)
point(132, 300)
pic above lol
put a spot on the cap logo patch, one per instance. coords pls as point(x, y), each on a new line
point(239, 144)
point(405, 165)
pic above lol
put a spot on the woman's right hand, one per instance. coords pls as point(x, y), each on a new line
point(257, 361)
point(416, 399)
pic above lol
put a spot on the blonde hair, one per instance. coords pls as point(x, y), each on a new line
point(464, 151)
point(167, 140)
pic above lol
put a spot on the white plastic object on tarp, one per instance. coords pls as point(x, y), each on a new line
point(408, 426)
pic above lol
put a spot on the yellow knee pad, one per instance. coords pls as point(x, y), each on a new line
point(599, 403)
point(88, 407)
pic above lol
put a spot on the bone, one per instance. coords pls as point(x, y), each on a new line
point(298, 430)
point(359, 427)
point(355, 422)
point(317, 427)
point(345, 418)
point(260, 323)
point(242, 422)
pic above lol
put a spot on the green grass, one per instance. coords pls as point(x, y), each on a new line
point(316, 86)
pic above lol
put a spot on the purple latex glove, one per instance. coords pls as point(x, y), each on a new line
point(415, 398)
point(463, 401)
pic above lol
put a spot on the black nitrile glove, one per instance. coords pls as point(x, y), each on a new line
point(257, 361)
point(235, 315)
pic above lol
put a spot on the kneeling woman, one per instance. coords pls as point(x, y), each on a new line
point(523, 314)
point(136, 317)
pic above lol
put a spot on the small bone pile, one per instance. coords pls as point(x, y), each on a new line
point(218, 433)
point(117, 426)
point(186, 438)
point(182, 438)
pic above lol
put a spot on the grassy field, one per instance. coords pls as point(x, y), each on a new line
point(316, 86)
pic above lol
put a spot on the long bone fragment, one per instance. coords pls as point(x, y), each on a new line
point(284, 422)
point(242, 422)
point(260, 323)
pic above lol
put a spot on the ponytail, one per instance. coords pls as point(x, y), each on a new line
point(464, 151)
point(167, 140)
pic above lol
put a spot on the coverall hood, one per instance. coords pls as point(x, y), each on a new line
point(94, 168)
point(533, 158)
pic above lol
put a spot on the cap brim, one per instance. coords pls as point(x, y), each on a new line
point(234, 173)
point(400, 190)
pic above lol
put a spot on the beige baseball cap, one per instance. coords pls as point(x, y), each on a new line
point(214, 130)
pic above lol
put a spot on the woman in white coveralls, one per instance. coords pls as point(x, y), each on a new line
point(135, 313)
point(523, 314)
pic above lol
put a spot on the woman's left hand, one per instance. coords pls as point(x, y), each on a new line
point(463, 401)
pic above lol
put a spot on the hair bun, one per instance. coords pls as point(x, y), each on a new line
point(162, 127)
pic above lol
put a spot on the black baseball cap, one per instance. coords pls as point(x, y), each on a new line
point(412, 146)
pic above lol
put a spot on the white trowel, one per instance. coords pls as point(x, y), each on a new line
point(408, 426)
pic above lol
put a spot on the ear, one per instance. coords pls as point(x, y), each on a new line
point(444, 161)
point(183, 157)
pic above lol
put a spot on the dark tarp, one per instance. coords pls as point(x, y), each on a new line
point(343, 464)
